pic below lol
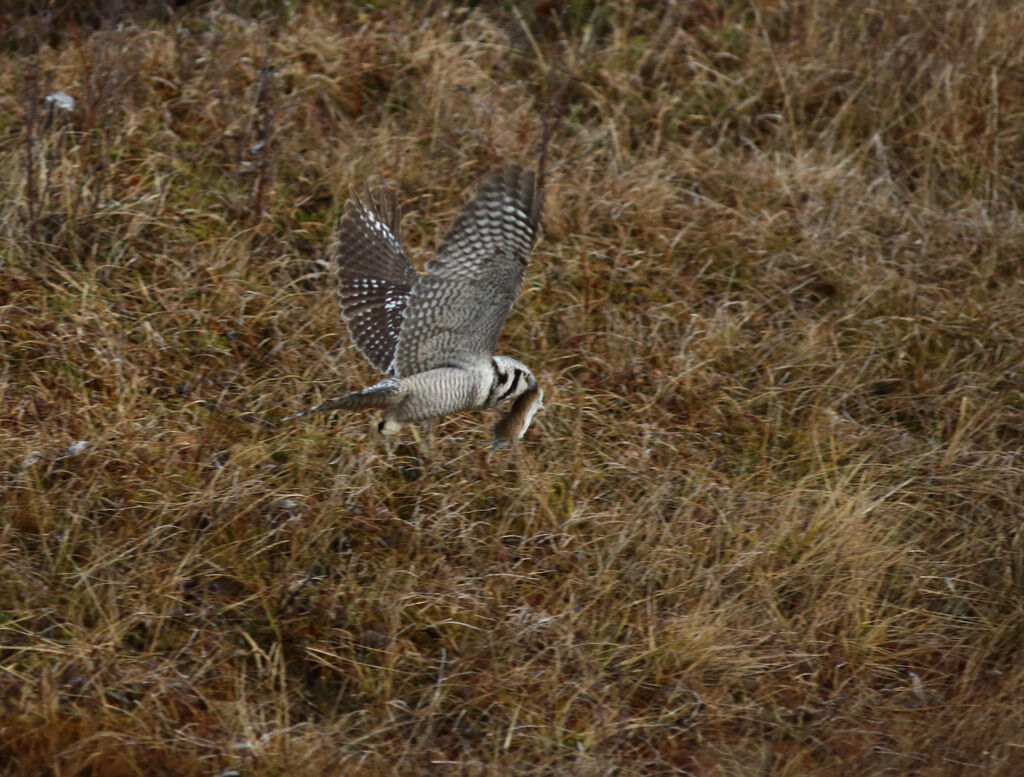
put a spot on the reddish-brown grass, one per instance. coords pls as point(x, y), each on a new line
point(770, 521)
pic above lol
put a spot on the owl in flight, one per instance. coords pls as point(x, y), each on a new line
point(434, 334)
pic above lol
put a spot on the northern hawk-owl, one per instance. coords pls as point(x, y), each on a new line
point(434, 334)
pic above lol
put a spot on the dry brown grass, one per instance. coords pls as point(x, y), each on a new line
point(770, 523)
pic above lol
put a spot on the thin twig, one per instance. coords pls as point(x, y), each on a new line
point(31, 98)
point(264, 133)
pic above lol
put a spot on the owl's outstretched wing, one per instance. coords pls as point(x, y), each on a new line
point(375, 278)
point(457, 308)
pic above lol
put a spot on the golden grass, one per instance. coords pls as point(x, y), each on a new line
point(770, 522)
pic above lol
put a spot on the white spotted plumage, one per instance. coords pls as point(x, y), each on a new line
point(434, 334)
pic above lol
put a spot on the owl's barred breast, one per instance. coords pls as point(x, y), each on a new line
point(440, 392)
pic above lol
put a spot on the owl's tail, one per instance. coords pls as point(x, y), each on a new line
point(382, 395)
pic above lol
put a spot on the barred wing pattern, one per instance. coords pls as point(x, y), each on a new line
point(375, 277)
point(456, 310)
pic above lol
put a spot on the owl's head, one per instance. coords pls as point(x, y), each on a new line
point(509, 380)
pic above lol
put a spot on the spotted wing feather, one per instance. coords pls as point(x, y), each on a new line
point(375, 277)
point(456, 310)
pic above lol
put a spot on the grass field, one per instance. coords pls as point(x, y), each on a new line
point(770, 522)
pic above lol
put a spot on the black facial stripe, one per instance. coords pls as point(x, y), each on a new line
point(512, 387)
point(498, 379)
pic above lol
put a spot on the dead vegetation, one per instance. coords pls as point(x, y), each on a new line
point(770, 522)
